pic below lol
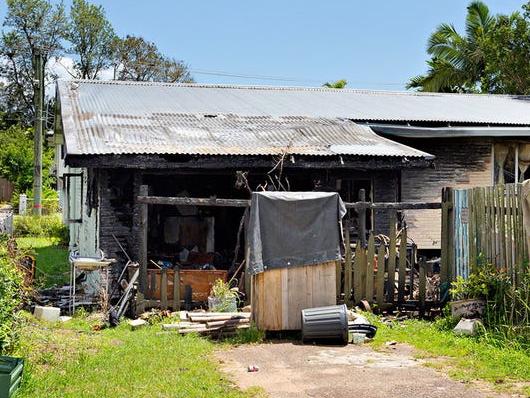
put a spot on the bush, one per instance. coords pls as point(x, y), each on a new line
point(41, 226)
point(11, 299)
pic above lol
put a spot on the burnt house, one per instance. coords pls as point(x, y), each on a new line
point(208, 141)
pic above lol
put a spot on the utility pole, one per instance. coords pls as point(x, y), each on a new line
point(38, 98)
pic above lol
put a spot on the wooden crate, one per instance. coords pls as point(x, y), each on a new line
point(279, 295)
point(201, 282)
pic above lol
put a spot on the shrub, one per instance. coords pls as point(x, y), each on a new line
point(41, 226)
point(11, 299)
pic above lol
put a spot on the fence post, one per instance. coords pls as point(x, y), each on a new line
point(22, 204)
point(370, 269)
point(422, 286)
point(392, 258)
point(402, 273)
point(380, 278)
point(361, 218)
point(163, 289)
point(447, 251)
point(347, 265)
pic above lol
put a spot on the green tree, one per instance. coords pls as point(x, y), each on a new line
point(507, 51)
point(458, 61)
point(337, 84)
point(16, 159)
point(92, 38)
point(140, 60)
point(32, 26)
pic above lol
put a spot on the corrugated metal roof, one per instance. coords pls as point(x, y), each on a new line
point(127, 97)
point(131, 118)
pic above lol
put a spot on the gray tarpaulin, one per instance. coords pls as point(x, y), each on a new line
point(289, 229)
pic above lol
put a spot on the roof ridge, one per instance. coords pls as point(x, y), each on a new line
point(288, 88)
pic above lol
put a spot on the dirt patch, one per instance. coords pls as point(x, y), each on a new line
point(292, 370)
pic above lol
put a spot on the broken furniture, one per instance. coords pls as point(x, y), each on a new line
point(163, 291)
point(89, 280)
point(294, 245)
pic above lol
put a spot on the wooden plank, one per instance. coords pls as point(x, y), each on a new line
point(279, 295)
point(422, 286)
point(392, 257)
point(521, 237)
point(348, 285)
point(153, 285)
point(380, 277)
point(509, 229)
point(370, 269)
point(493, 225)
point(176, 290)
point(501, 223)
point(364, 268)
point(358, 265)
point(402, 272)
point(481, 225)
point(163, 289)
point(486, 231)
point(445, 236)
point(338, 278)
point(361, 218)
point(472, 232)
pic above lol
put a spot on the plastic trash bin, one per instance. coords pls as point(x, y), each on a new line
point(10, 375)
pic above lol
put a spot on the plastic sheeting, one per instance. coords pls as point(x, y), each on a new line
point(288, 229)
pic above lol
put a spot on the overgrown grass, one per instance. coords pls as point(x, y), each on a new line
point(50, 226)
point(71, 360)
point(466, 358)
point(51, 258)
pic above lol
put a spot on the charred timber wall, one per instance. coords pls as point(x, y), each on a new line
point(116, 215)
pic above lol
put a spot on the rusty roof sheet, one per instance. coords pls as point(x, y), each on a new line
point(130, 118)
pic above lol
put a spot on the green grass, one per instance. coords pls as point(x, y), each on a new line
point(71, 360)
point(51, 258)
point(465, 358)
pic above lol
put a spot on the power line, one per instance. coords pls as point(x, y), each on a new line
point(281, 78)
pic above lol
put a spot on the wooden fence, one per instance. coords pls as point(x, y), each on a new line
point(484, 225)
point(387, 271)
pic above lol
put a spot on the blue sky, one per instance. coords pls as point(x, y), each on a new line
point(376, 44)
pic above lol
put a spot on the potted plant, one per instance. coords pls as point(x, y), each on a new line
point(469, 296)
point(222, 297)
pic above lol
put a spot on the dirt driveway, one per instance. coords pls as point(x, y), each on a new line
point(291, 370)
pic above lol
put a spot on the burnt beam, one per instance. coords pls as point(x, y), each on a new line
point(216, 202)
point(145, 162)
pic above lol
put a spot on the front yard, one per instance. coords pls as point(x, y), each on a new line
point(70, 360)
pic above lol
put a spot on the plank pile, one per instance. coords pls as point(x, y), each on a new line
point(210, 323)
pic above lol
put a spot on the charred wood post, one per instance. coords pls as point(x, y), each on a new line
point(141, 239)
point(361, 218)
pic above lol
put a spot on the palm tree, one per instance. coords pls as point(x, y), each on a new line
point(457, 63)
point(338, 84)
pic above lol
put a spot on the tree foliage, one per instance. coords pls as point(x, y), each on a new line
point(32, 26)
point(491, 56)
point(92, 37)
point(140, 60)
point(337, 84)
point(16, 159)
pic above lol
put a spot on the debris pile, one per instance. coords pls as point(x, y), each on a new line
point(210, 323)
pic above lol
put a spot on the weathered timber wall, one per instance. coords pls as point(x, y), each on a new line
point(459, 163)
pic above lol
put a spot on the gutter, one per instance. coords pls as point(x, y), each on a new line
point(449, 132)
